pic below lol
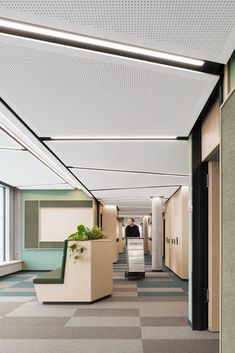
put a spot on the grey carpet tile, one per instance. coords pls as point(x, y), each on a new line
point(107, 312)
point(125, 289)
point(104, 321)
point(88, 333)
point(148, 299)
point(15, 299)
point(176, 333)
point(36, 309)
point(33, 322)
point(6, 308)
point(164, 321)
point(180, 346)
point(71, 345)
point(6, 284)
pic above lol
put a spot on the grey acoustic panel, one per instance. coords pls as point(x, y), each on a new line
point(201, 28)
point(100, 95)
point(51, 245)
point(65, 203)
point(8, 142)
point(147, 156)
point(228, 222)
point(31, 224)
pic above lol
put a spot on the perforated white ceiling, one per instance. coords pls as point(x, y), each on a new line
point(83, 93)
point(148, 156)
point(136, 193)
point(198, 28)
point(109, 180)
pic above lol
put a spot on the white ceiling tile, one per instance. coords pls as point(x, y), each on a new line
point(108, 180)
point(201, 28)
point(147, 193)
point(21, 168)
point(7, 142)
point(148, 156)
point(61, 91)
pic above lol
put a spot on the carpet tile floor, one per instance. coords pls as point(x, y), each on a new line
point(143, 316)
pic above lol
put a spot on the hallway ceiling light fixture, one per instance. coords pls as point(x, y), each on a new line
point(115, 138)
point(45, 33)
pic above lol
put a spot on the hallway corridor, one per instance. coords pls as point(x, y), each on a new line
point(142, 316)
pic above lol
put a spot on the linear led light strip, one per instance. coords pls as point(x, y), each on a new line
point(29, 149)
point(144, 138)
point(78, 38)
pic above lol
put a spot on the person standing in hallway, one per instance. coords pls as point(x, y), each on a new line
point(132, 230)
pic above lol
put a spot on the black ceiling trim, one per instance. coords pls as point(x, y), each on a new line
point(138, 187)
point(35, 135)
point(128, 171)
point(180, 138)
point(208, 67)
point(12, 149)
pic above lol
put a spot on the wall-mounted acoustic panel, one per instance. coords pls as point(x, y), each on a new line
point(7, 142)
point(202, 28)
point(109, 180)
point(21, 168)
point(62, 91)
point(147, 156)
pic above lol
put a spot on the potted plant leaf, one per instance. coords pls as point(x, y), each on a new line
point(83, 234)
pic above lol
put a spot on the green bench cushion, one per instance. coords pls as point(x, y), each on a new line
point(50, 277)
point(55, 276)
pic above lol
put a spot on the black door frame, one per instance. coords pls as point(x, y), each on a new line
point(199, 235)
point(200, 220)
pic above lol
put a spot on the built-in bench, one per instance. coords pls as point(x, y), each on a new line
point(85, 280)
point(8, 267)
point(56, 276)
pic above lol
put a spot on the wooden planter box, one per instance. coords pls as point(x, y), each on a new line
point(86, 280)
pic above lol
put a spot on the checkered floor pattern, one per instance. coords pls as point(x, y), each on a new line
point(142, 316)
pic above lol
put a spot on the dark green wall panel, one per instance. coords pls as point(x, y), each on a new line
point(73, 203)
point(31, 224)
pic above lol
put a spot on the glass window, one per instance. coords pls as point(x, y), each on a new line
point(2, 223)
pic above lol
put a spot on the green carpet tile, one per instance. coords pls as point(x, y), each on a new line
point(147, 315)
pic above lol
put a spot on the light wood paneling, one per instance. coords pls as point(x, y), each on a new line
point(211, 131)
point(176, 233)
point(109, 226)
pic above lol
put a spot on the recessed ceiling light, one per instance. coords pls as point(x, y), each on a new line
point(45, 32)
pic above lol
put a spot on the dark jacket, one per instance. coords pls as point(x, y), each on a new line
point(132, 232)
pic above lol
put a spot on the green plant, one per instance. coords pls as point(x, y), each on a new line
point(83, 233)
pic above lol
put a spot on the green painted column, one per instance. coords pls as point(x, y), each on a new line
point(228, 224)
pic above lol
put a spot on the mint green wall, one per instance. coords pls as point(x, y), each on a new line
point(44, 259)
